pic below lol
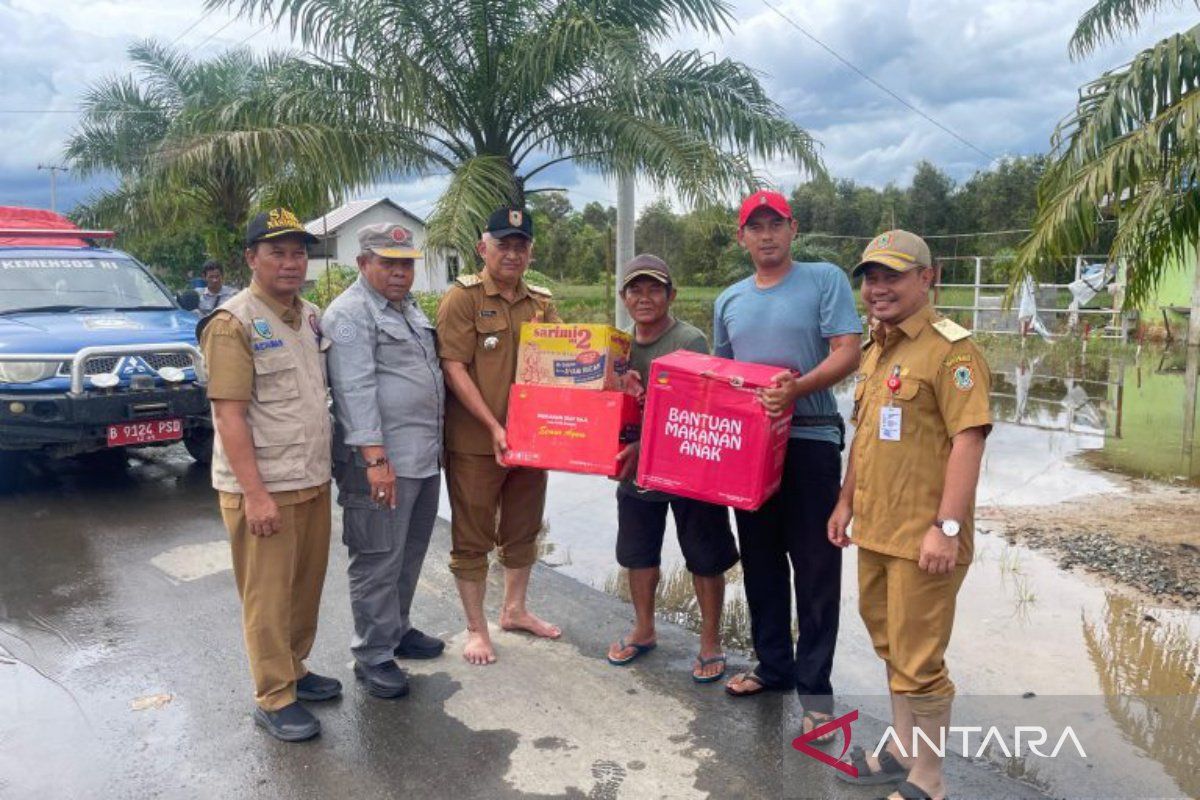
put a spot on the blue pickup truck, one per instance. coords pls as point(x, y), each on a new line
point(95, 352)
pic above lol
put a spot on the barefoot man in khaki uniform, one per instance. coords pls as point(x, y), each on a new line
point(491, 506)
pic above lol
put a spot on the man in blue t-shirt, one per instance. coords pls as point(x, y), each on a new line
point(801, 318)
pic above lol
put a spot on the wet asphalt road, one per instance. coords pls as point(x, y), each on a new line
point(115, 594)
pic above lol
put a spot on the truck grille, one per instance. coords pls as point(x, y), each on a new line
point(102, 364)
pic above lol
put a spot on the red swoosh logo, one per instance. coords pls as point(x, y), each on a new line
point(842, 723)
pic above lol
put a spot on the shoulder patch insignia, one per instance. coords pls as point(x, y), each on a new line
point(950, 330)
point(469, 280)
point(542, 290)
point(964, 378)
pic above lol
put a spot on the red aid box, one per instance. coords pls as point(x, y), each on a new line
point(564, 428)
point(706, 436)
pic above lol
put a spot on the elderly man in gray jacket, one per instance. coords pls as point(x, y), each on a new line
point(388, 397)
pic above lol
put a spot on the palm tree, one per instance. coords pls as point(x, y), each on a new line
point(493, 93)
point(1130, 151)
point(129, 126)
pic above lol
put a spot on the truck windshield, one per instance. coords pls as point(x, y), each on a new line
point(39, 284)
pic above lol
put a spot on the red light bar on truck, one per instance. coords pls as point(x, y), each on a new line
point(57, 233)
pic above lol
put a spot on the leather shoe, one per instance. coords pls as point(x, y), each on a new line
point(382, 680)
point(415, 644)
point(292, 723)
point(313, 687)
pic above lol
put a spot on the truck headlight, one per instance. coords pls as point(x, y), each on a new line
point(27, 371)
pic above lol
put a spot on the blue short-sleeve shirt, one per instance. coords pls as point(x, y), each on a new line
point(789, 325)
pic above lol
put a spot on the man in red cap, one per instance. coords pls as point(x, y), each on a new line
point(800, 317)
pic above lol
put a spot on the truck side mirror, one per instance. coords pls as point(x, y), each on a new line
point(188, 299)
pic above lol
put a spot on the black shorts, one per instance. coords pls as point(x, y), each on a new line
point(704, 534)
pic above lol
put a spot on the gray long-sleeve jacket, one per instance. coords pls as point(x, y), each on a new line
point(386, 378)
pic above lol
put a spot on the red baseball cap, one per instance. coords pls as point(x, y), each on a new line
point(764, 199)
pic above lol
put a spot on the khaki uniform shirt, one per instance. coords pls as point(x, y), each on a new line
point(944, 385)
point(230, 358)
point(476, 326)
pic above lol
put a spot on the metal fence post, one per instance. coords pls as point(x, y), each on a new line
point(978, 280)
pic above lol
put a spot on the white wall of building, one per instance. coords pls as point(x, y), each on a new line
point(432, 275)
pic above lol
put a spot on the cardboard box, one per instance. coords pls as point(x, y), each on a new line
point(556, 427)
point(705, 435)
point(582, 356)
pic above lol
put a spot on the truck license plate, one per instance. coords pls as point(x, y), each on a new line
point(155, 430)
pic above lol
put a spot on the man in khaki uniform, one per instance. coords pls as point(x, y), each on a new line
point(921, 417)
point(491, 505)
point(271, 466)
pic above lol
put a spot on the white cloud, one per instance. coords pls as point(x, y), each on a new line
point(996, 72)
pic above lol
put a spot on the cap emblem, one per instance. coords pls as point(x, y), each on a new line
point(282, 218)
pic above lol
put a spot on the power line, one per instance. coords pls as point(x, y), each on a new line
point(208, 38)
point(256, 33)
point(877, 84)
point(189, 28)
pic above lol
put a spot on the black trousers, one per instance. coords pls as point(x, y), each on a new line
point(790, 527)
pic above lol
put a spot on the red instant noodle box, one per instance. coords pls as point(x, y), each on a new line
point(564, 428)
point(705, 435)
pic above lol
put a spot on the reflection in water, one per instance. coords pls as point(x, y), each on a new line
point(1150, 676)
point(1143, 407)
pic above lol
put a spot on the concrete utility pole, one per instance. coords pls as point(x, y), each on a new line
point(625, 248)
point(54, 170)
point(1193, 337)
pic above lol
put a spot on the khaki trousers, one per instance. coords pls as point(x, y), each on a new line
point(909, 615)
point(279, 579)
point(492, 507)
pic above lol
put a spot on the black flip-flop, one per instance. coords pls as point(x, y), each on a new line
point(910, 791)
point(753, 678)
point(639, 650)
point(701, 663)
point(890, 769)
point(818, 721)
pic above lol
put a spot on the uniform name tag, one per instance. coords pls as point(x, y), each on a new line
point(889, 423)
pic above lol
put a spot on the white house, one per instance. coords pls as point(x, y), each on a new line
point(338, 234)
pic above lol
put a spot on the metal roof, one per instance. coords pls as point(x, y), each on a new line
point(336, 219)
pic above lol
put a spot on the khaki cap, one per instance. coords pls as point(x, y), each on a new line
point(387, 240)
point(898, 250)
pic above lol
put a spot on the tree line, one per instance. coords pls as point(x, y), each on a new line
point(985, 215)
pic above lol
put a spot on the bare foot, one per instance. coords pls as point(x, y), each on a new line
point(529, 622)
point(478, 650)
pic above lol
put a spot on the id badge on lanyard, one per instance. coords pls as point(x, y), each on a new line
point(889, 415)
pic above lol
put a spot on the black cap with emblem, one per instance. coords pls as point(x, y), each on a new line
point(510, 222)
point(276, 223)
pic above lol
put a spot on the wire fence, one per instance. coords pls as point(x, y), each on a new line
point(974, 291)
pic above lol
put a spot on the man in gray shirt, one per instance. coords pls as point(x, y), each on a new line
point(215, 291)
point(388, 397)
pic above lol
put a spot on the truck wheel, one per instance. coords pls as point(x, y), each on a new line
point(199, 444)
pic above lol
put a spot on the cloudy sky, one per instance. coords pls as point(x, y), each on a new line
point(995, 72)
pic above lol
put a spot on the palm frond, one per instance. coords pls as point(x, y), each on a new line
point(1108, 20)
point(477, 187)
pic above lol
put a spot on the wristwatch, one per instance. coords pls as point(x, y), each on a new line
point(950, 527)
point(382, 461)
